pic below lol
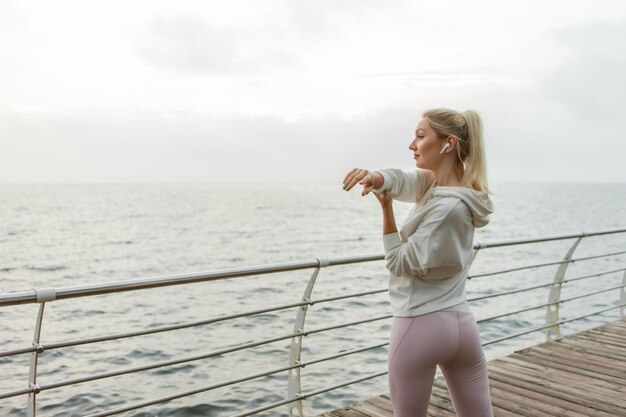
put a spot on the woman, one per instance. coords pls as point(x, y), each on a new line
point(428, 262)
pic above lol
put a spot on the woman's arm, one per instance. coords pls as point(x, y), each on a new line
point(389, 220)
point(401, 185)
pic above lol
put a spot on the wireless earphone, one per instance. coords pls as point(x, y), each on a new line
point(444, 148)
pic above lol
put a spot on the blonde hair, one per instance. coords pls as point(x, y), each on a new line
point(468, 129)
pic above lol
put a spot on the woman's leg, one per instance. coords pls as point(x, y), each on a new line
point(466, 374)
point(417, 344)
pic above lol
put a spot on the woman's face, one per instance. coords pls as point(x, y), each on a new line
point(426, 146)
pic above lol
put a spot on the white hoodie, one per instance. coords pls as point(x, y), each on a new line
point(429, 257)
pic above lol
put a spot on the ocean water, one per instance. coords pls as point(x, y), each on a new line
point(70, 234)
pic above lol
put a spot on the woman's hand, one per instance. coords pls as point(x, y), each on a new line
point(364, 177)
point(384, 199)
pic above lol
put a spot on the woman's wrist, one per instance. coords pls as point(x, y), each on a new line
point(377, 180)
point(389, 221)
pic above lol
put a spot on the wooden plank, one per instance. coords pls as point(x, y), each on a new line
point(346, 412)
point(514, 402)
point(556, 406)
point(600, 339)
point(607, 367)
point(438, 412)
point(586, 398)
point(615, 324)
point(595, 342)
point(566, 365)
point(618, 327)
point(614, 331)
point(381, 402)
point(558, 378)
point(557, 373)
point(575, 362)
point(606, 351)
point(371, 410)
point(608, 332)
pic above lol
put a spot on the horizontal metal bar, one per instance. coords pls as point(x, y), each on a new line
point(344, 353)
point(50, 346)
point(163, 364)
point(29, 297)
point(550, 325)
point(592, 293)
point(343, 384)
point(338, 326)
point(592, 314)
point(483, 297)
point(513, 242)
point(341, 297)
point(593, 275)
point(514, 312)
point(18, 351)
point(521, 268)
point(16, 393)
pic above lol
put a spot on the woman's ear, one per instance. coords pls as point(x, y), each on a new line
point(452, 141)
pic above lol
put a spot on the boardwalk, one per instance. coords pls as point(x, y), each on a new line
point(579, 375)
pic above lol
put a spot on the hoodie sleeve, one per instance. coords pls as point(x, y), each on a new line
point(437, 249)
point(403, 185)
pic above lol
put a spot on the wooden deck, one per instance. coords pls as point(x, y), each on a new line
point(580, 375)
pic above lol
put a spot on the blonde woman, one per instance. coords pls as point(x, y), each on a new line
point(428, 261)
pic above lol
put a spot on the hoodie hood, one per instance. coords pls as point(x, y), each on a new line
point(479, 203)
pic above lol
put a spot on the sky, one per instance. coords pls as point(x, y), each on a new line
point(303, 91)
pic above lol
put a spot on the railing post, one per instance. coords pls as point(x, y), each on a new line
point(554, 298)
point(622, 298)
point(294, 385)
point(43, 296)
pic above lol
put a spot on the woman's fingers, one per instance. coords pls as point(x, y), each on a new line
point(348, 174)
point(354, 176)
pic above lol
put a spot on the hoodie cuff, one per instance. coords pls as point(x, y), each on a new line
point(391, 241)
point(386, 182)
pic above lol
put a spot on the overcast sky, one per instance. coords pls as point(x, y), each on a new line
point(302, 91)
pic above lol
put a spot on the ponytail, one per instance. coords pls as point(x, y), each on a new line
point(475, 173)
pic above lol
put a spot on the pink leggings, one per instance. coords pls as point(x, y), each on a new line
point(448, 338)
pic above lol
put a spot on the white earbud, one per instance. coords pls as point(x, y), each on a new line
point(444, 148)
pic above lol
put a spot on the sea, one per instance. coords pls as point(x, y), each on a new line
point(60, 235)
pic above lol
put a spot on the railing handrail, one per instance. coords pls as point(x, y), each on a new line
point(86, 290)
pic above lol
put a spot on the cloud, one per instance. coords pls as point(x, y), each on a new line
point(590, 83)
point(193, 44)
point(277, 38)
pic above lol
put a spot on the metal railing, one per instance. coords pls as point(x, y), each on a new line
point(295, 363)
